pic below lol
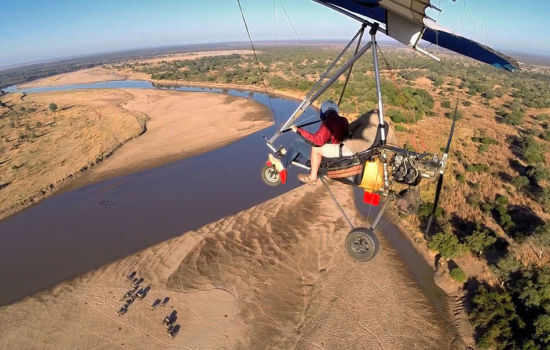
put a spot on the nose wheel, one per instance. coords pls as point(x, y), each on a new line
point(270, 176)
point(361, 244)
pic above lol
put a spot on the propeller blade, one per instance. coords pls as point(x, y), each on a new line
point(443, 164)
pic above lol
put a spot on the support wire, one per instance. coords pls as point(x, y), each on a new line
point(258, 64)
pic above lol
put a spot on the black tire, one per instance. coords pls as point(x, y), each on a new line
point(361, 244)
point(270, 176)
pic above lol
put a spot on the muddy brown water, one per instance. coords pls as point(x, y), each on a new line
point(79, 230)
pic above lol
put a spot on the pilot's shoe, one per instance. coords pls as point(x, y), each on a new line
point(276, 162)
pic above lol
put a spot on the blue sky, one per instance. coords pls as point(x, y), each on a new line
point(34, 30)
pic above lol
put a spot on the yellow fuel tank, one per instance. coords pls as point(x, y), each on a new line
point(373, 175)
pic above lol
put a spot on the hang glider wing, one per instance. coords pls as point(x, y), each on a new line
point(406, 21)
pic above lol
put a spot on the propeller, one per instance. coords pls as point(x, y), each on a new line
point(442, 163)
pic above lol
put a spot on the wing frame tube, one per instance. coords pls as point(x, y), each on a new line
point(309, 100)
point(302, 107)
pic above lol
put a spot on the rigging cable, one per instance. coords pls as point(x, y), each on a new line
point(296, 34)
point(258, 64)
point(351, 67)
point(421, 137)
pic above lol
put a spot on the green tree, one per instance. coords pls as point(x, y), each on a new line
point(446, 244)
point(480, 240)
point(542, 330)
point(541, 236)
point(505, 266)
point(494, 318)
point(53, 107)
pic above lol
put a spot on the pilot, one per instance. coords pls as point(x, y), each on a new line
point(326, 142)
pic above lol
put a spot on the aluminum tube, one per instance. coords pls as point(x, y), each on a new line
point(300, 108)
point(306, 103)
point(378, 89)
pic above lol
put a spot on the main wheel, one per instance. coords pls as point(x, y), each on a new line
point(271, 176)
point(361, 244)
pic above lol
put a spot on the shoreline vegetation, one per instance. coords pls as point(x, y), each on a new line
point(492, 249)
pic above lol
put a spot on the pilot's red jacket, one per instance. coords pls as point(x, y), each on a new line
point(333, 130)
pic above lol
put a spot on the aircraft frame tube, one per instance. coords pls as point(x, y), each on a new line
point(362, 30)
point(337, 204)
point(380, 213)
point(308, 101)
point(378, 89)
point(344, 50)
point(301, 107)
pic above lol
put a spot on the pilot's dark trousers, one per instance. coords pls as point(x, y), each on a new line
point(298, 148)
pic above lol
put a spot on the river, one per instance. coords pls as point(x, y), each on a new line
point(71, 233)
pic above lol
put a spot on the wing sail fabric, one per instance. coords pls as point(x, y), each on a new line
point(406, 22)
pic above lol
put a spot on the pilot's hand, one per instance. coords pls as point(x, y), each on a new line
point(294, 128)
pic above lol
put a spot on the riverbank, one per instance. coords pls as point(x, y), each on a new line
point(429, 257)
point(46, 148)
point(245, 281)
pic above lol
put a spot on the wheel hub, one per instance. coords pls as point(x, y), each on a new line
point(272, 175)
point(361, 245)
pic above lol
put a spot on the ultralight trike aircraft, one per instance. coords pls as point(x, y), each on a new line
point(380, 167)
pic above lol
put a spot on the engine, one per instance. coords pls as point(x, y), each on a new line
point(411, 168)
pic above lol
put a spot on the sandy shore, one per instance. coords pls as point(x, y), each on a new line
point(273, 276)
point(182, 125)
point(85, 76)
point(44, 150)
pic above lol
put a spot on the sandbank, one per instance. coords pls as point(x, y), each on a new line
point(253, 280)
point(84, 76)
point(44, 150)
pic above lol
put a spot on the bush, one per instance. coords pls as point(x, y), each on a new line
point(544, 198)
point(531, 150)
point(454, 114)
point(397, 116)
point(446, 244)
point(514, 118)
point(458, 275)
point(461, 178)
point(477, 168)
point(520, 182)
point(466, 103)
point(400, 128)
point(545, 135)
point(53, 107)
point(446, 104)
point(538, 173)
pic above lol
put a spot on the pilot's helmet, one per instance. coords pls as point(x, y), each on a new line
point(326, 107)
